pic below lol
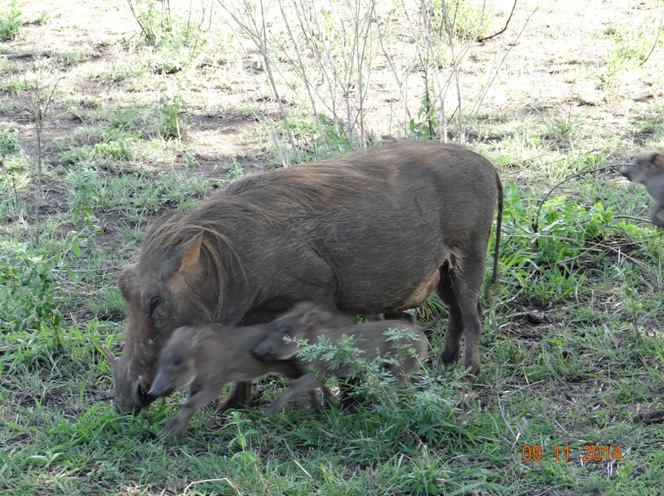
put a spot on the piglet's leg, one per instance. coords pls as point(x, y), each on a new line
point(654, 216)
point(238, 397)
point(304, 384)
point(197, 398)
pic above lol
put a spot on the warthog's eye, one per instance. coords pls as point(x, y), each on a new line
point(151, 303)
point(156, 307)
point(285, 330)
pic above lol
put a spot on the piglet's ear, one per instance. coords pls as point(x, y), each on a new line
point(311, 319)
point(191, 254)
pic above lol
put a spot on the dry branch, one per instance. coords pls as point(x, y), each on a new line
point(481, 40)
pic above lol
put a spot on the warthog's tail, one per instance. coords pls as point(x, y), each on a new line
point(499, 224)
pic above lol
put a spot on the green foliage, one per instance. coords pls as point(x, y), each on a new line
point(155, 23)
point(236, 171)
point(43, 18)
point(17, 85)
point(10, 22)
point(548, 264)
point(572, 347)
point(177, 39)
point(171, 109)
point(9, 144)
point(631, 44)
point(30, 286)
point(426, 125)
point(335, 355)
point(421, 406)
point(464, 20)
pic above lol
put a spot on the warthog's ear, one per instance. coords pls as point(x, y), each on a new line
point(112, 359)
point(194, 336)
point(126, 281)
point(191, 254)
point(658, 160)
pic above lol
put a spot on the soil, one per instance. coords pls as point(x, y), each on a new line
point(544, 66)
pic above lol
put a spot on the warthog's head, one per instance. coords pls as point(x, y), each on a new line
point(162, 294)
point(649, 166)
point(176, 367)
point(305, 321)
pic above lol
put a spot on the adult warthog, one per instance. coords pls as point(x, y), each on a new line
point(367, 233)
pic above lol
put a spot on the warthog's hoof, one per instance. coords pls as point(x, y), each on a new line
point(172, 430)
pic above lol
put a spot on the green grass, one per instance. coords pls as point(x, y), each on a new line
point(572, 350)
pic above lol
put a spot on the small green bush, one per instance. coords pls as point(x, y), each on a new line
point(9, 144)
point(10, 22)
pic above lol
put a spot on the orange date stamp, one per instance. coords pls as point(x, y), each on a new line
point(589, 453)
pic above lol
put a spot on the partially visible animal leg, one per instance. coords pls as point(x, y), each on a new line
point(467, 281)
point(446, 292)
point(347, 402)
point(305, 384)
point(238, 397)
point(655, 218)
point(391, 316)
point(197, 398)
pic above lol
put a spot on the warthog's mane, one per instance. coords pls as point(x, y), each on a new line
point(275, 197)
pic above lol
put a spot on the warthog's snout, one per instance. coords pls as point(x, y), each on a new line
point(627, 170)
point(260, 352)
point(160, 387)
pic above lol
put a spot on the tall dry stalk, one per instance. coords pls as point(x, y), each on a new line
point(344, 68)
point(332, 48)
point(251, 19)
point(41, 98)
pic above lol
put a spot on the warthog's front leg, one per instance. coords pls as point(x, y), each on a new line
point(197, 398)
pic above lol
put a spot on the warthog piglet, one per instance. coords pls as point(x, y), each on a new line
point(307, 322)
point(649, 171)
point(206, 358)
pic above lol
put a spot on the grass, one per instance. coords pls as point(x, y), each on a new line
point(572, 349)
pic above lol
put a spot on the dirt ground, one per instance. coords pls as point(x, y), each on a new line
point(543, 67)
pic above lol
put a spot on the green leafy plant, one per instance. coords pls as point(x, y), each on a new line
point(177, 38)
point(28, 290)
point(631, 44)
point(171, 109)
point(549, 262)
point(9, 144)
point(10, 22)
point(465, 19)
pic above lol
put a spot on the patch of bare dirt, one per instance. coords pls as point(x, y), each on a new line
point(545, 65)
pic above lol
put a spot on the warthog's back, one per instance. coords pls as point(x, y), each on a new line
point(376, 226)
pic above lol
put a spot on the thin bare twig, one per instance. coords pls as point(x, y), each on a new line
point(481, 40)
point(449, 28)
point(303, 72)
point(652, 49)
point(258, 34)
point(390, 63)
point(568, 178)
point(40, 109)
point(502, 61)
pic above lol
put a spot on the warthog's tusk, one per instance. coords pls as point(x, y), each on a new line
point(143, 384)
point(109, 354)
